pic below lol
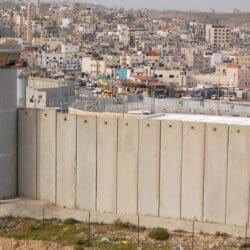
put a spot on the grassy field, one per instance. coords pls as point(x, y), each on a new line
point(80, 235)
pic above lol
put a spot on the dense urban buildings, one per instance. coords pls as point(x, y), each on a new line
point(165, 54)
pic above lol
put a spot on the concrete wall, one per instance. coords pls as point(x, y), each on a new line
point(237, 206)
point(172, 170)
point(8, 158)
point(170, 178)
point(27, 152)
point(127, 166)
point(149, 167)
point(215, 172)
point(106, 164)
point(66, 161)
point(192, 170)
point(8, 133)
point(86, 162)
point(46, 155)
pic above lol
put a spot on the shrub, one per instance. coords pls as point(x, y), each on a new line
point(221, 234)
point(118, 223)
point(34, 227)
point(71, 221)
point(245, 246)
point(80, 242)
point(159, 234)
point(180, 231)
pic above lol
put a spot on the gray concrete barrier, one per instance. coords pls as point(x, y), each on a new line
point(127, 166)
point(237, 210)
point(171, 170)
point(192, 170)
point(106, 164)
point(46, 155)
point(149, 167)
point(216, 147)
point(86, 163)
point(8, 154)
point(170, 176)
point(27, 152)
point(66, 161)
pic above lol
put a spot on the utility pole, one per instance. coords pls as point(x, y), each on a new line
point(29, 24)
point(218, 90)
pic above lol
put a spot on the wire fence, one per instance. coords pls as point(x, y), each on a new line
point(94, 233)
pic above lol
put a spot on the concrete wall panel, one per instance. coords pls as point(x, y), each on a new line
point(8, 147)
point(86, 163)
point(27, 142)
point(8, 133)
point(127, 166)
point(106, 164)
point(149, 152)
point(238, 175)
point(46, 154)
point(170, 178)
point(8, 89)
point(192, 170)
point(66, 160)
point(8, 176)
point(215, 173)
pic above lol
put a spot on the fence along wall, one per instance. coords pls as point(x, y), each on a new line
point(168, 172)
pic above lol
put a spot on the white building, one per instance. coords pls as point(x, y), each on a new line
point(231, 75)
point(85, 31)
point(122, 29)
point(50, 60)
point(67, 22)
point(47, 59)
point(50, 43)
point(93, 66)
point(71, 64)
point(69, 48)
point(123, 33)
point(216, 58)
point(189, 53)
point(130, 60)
point(176, 77)
point(217, 35)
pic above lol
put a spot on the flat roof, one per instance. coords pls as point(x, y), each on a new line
point(230, 120)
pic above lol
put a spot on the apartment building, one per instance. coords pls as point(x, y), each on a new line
point(218, 35)
point(231, 75)
point(69, 48)
point(176, 77)
point(93, 66)
point(189, 53)
point(130, 60)
point(67, 22)
point(243, 60)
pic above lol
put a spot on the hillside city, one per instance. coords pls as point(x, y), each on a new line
point(126, 56)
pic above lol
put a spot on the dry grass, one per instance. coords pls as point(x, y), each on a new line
point(74, 233)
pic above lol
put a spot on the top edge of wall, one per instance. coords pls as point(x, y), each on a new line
point(189, 118)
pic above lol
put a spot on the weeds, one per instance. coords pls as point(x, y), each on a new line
point(159, 234)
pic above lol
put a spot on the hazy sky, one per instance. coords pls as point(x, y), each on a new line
point(202, 5)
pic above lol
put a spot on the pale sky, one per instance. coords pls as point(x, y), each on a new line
point(202, 5)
